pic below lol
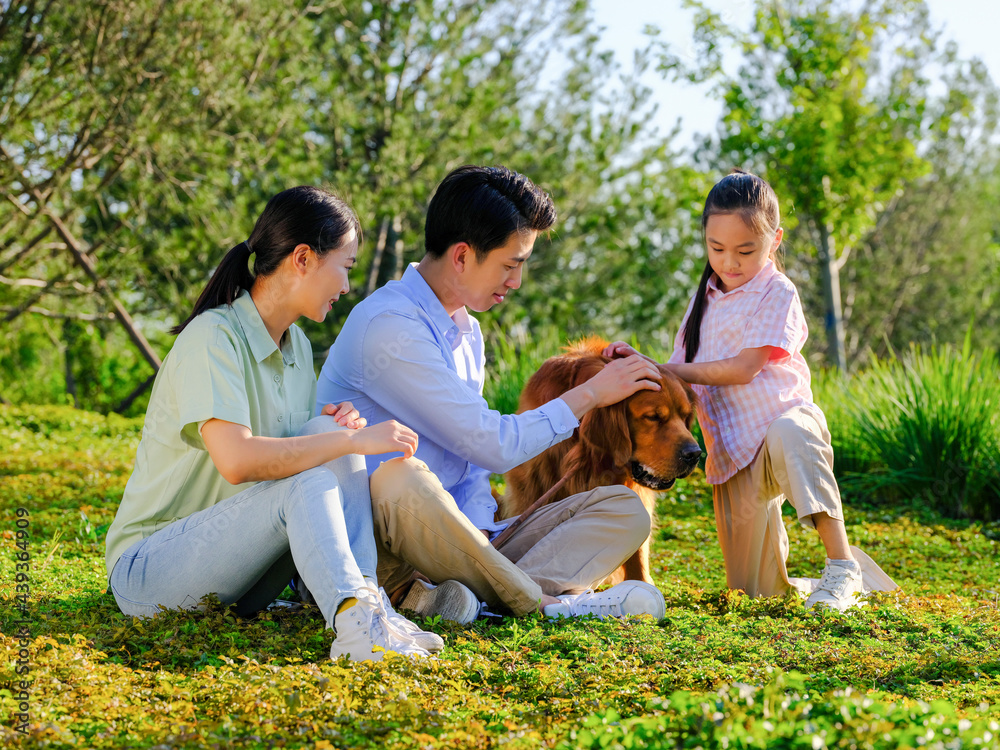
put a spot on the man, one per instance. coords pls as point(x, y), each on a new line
point(411, 352)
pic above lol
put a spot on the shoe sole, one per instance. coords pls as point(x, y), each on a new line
point(451, 600)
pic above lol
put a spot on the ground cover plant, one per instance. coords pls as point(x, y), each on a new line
point(917, 668)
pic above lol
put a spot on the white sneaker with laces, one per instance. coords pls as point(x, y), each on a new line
point(624, 599)
point(428, 641)
point(364, 631)
point(450, 599)
point(840, 587)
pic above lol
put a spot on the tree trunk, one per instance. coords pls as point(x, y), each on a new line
point(396, 240)
point(140, 389)
point(104, 290)
point(833, 319)
point(371, 283)
point(69, 346)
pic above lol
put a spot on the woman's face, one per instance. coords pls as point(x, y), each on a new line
point(329, 279)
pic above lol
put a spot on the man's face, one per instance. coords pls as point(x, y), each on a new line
point(488, 283)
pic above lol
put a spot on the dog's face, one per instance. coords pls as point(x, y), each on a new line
point(648, 433)
point(659, 425)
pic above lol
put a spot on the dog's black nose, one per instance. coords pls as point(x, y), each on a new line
point(691, 453)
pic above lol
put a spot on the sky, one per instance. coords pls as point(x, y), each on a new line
point(973, 24)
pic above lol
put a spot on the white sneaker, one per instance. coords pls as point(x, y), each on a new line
point(451, 600)
point(840, 586)
point(428, 641)
point(626, 598)
point(364, 631)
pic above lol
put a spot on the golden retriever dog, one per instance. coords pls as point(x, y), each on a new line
point(643, 442)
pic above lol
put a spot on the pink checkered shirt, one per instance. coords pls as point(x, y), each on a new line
point(734, 418)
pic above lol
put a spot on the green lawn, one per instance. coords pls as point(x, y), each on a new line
point(917, 668)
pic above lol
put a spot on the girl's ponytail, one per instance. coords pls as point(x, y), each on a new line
point(692, 328)
point(231, 276)
point(300, 215)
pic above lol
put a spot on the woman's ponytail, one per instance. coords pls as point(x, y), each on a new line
point(232, 275)
point(299, 215)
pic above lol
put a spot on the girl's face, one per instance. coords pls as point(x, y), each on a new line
point(329, 278)
point(735, 252)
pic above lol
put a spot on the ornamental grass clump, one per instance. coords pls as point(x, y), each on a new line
point(929, 422)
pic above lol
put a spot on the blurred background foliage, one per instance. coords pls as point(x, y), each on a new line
point(139, 139)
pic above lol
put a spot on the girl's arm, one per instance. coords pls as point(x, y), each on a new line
point(240, 456)
point(738, 370)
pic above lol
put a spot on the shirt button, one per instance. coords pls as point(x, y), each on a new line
point(280, 417)
point(277, 378)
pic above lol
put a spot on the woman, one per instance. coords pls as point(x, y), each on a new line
point(233, 491)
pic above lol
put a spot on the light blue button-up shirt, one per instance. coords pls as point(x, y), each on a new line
point(400, 356)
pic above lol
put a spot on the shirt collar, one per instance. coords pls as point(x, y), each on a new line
point(422, 294)
point(261, 344)
point(756, 284)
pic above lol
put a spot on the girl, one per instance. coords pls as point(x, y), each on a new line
point(740, 348)
point(232, 490)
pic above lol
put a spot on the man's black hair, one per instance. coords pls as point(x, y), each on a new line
point(483, 207)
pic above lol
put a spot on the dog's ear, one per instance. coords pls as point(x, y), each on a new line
point(605, 432)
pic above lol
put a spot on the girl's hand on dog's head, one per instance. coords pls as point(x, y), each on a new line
point(618, 349)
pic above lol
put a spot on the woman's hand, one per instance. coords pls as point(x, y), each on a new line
point(345, 414)
point(242, 457)
point(384, 437)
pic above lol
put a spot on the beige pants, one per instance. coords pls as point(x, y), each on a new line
point(563, 548)
point(795, 461)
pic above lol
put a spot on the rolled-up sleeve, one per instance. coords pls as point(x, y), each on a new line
point(778, 321)
point(214, 387)
point(404, 370)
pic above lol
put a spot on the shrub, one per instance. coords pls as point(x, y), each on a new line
point(512, 359)
point(923, 427)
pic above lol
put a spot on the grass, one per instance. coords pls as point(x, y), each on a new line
point(917, 668)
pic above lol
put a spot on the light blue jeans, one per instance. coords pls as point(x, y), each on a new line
point(246, 548)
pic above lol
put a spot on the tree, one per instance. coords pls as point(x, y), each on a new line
point(828, 105)
point(119, 116)
point(415, 89)
point(931, 267)
point(153, 131)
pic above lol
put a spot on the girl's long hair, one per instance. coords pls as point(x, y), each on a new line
point(299, 215)
point(753, 200)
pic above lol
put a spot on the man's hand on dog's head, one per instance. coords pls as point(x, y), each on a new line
point(618, 380)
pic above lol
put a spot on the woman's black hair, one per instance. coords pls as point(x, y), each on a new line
point(299, 215)
point(484, 206)
point(753, 200)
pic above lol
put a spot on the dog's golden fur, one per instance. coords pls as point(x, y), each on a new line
point(643, 442)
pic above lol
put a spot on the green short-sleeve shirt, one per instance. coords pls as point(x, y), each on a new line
point(223, 365)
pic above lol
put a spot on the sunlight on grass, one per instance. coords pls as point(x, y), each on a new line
point(718, 668)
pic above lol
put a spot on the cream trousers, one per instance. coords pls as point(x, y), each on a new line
point(562, 548)
point(795, 461)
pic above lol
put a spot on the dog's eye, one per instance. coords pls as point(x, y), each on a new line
point(654, 418)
